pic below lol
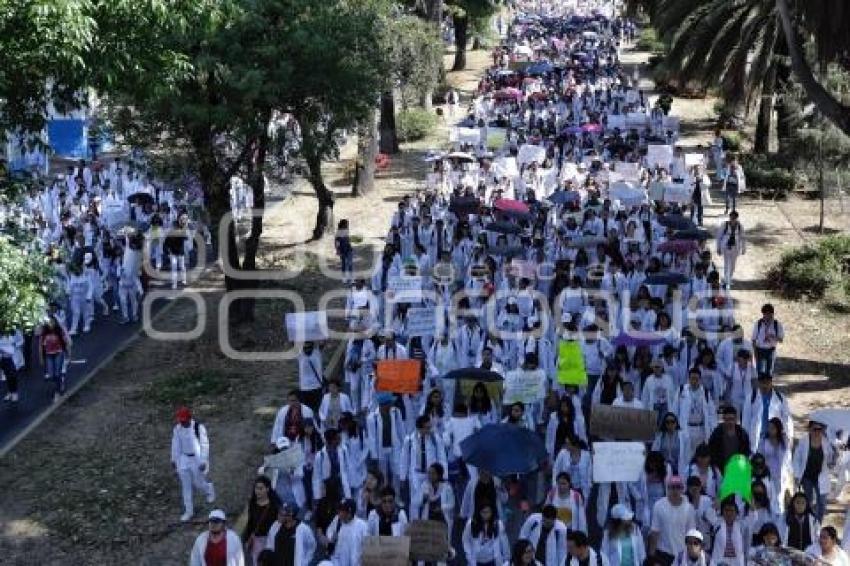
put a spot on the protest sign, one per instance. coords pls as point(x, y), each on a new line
point(618, 461)
point(677, 192)
point(629, 171)
point(506, 167)
point(429, 540)
point(288, 459)
point(494, 388)
point(496, 138)
point(659, 155)
point(523, 268)
point(421, 322)
point(306, 326)
point(622, 423)
point(656, 190)
point(571, 369)
point(692, 159)
point(529, 153)
point(404, 288)
point(385, 551)
point(399, 376)
point(523, 386)
point(469, 135)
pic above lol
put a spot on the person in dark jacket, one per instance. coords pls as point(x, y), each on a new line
point(728, 439)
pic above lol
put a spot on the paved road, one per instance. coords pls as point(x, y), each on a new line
point(107, 337)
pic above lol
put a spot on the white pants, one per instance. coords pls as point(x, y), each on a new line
point(178, 264)
point(129, 301)
point(80, 308)
point(189, 478)
point(730, 258)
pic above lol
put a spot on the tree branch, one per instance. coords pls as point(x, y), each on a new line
point(826, 103)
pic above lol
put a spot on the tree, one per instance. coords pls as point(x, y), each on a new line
point(463, 12)
point(26, 279)
point(43, 47)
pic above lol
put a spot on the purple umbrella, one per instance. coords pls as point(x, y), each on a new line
point(679, 247)
point(637, 339)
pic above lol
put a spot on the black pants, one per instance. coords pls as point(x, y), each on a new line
point(11, 373)
point(663, 558)
point(312, 398)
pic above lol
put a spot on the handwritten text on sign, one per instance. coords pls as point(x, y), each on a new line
point(618, 461)
point(622, 423)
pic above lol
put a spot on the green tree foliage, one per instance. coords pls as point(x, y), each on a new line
point(25, 285)
point(463, 12)
point(416, 56)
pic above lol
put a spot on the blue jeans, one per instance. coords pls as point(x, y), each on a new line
point(816, 499)
point(731, 197)
point(347, 260)
point(53, 369)
point(697, 210)
point(764, 360)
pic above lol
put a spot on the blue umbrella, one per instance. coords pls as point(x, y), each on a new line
point(474, 374)
point(539, 69)
point(665, 278)
point(504, 449)
point(676, 221)
point(563, 197)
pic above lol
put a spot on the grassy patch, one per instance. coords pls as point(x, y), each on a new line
point(189, 386)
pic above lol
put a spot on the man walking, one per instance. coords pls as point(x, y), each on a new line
point(190, 456)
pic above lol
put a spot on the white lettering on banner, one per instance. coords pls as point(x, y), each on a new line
point(307, 326)
point(618, 461)
point(522, 386)
point(422, 322)
point(659, 155)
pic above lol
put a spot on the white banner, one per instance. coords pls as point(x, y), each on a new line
point(422, 322)
point(523, 386)
point(628, 170)
point(469, 135)
point(661, 155)
point(692, 159)
point(618, 461)
point(677, 192)
point(617, 121)
point(529, 153)
point(306, 326)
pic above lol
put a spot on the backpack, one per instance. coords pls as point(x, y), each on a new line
point(197, 430)
point(755, 392)
point(760, 323)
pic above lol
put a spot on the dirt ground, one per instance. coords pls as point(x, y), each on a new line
point(92, 485)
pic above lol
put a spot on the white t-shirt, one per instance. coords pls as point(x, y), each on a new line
point(672, 523)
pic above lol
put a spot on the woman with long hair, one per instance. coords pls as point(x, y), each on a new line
point(484, 538)
point(568, 503)
point(262, 513)
point(622, 542)
point(574, 458)
point(481, 405)
point(800, 527)
point(522, 554)
point(566, 420)
point(776, 448)
point(827, 550)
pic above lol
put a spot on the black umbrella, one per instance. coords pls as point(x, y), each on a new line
point(503, 228)
point(665, 278)
point(474, 374)
point(140, 198)
point(465, 205)
point(676, 221)
point(697, 234)
point(504, 251)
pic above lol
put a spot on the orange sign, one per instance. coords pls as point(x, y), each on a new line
point(399, 376)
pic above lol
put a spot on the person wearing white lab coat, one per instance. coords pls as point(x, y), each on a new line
point(673, 443)
point(697, 412)
point(659, 391)
point(12, 360)
point(388, 519)
point(730, 536)
point(556, 535)
point(334, 404)
point(438, 499)
point(80, 297)
point(286, 527)
point(485, 539)
point(420, 450)
point(758, 411)
point(620, 528)
point(574, 459)
point(740, 381)
point(220, 536)
point(190, 458)
point(330, 469)
point(359, 363)
point(290, 415)
point(731, 243)
point(812, 447)
point(581, 552)
point(443, 358)
point(385, 433)
point(345, 534)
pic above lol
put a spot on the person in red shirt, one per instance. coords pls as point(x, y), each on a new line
point(54, 344)
point(219, 546)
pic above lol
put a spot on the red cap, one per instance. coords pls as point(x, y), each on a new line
point(183, 415)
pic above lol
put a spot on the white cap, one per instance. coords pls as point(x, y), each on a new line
point(693, 533)
point(217, 514)
point(621, 513)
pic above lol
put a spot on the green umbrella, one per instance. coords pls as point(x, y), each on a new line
point(737, 479)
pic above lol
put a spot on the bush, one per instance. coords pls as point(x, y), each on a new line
point(814, 271)
point(732, 141)
point(769, 172)
point(415, 124)
point(648, 40)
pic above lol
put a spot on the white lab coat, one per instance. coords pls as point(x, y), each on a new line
point(305, 542)
point(322, 471)
point(684, 449)
point(564, 464)
point(612, 549)
point(235, 556)
point(399, 525)
point(709, 410)
point(345, 406)
point(472, 545)
point(801, 454)
point(594, 561)
point(751, 418)
point(739, 541)
point(349, 541)
point(552, 432)
point(556, 541)
point(184, 439)
point(280, 420)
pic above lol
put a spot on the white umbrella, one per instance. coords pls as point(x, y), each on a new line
point(461, 156)
point(523, 50)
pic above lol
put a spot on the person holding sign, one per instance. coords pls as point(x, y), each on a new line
point(420, 450)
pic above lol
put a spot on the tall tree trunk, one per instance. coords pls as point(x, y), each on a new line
point(323, 194)
point(789, 113)
point(761, 143)
point(461, 23)
point(434, 11)
point(367, 151)
point(389, 137)
point(828, 105)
